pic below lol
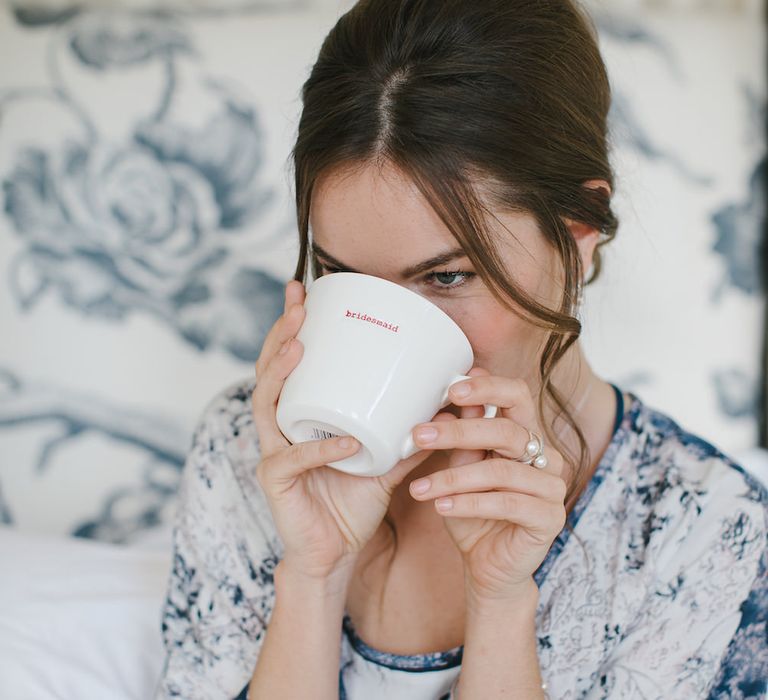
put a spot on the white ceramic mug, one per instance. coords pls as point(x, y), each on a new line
point(378, 360)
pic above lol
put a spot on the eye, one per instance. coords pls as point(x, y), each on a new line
point(464, 276)
point(431, 277)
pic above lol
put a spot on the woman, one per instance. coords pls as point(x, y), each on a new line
point(628, 560)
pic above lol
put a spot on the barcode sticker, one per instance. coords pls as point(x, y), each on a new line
point(318, 434)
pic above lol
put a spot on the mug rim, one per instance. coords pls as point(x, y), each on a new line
point(400, 288)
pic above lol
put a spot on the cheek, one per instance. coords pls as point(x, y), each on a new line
point(494, 332)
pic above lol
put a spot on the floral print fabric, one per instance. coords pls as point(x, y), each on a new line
point(656, 587)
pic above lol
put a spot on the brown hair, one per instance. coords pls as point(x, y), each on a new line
point(482, 103)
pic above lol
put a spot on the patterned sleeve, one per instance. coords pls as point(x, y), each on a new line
point(220, 592)
point(702, 630)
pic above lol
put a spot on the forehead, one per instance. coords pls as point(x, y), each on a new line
point(376, 213)
point(378, 204)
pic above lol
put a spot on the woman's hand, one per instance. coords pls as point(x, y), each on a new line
point(324, 516)
point(505, 513)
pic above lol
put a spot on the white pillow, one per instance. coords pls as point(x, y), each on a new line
point(79, 620)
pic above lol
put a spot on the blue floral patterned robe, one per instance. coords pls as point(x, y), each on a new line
point(660, 591)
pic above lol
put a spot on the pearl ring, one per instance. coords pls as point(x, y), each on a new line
point(534, 452)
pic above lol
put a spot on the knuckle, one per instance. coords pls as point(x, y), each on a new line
point(449, 478)
point(474, 503)
point(510, 432)
point(322, 451)
point(294, 314)
point(261, 390)
point(302, 451)
point(291, 355)
point(278, 357)
point(509, 502)
point(559, 487)
point(457, 431)
point(264, 369)
point(282, 364)
point(499, 471)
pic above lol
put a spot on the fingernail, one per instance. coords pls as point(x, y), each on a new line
point(420, 485)
point(461, 390)
point(284, 347)
point(426, 434)
point(346, 441)
point(444, 503)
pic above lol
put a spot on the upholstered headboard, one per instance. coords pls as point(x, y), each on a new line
point(147, 231)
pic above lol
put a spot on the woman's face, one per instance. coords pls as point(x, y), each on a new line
point(377, 222)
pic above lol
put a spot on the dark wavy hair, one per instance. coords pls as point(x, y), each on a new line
point(482, 103)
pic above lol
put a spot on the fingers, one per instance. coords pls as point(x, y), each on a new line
point(511, 395)
point(459, 456)
point(498, 489)
point(280, 354)
point(294, 294)
point(281, 461)
point(542, 519)
point(491, 474)
point(278, 471)
point(507, 433)
point(502, 435)
point(266, 393)
point(395, 476)
point(273, 366)
point(285, 327)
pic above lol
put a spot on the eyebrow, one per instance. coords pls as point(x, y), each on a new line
point(408, 272)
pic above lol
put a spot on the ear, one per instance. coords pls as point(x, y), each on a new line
point(586, 236)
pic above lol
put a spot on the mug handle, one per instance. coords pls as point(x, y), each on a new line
point(411, 448)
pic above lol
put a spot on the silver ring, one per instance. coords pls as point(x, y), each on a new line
point(534, 451)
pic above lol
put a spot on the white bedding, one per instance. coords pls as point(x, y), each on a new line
point(79, 620)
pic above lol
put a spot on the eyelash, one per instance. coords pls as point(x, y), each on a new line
point(431, 276)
